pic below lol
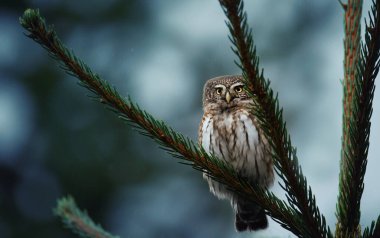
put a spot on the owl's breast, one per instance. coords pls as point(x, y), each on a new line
point(230, 136)
point(234, 138)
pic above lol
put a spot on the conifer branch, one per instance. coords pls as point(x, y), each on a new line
point(347, 219)
point(352, 17)
point(374, 230)
point(78, 221)
point(271, 120)
point(357, 114)
point(176, 144)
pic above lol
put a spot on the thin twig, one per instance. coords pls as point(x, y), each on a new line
point(78, 221)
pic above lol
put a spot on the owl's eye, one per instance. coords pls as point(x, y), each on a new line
point(218, 91)
point(239, 89)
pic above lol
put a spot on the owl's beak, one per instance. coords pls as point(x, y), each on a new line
point(228, 97)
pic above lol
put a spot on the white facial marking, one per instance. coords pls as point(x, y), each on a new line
point(236, 84)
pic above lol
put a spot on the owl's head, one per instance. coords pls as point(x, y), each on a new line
point(225, 93)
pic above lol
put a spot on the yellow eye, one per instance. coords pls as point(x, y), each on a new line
point(218, 91)
point(239, 89)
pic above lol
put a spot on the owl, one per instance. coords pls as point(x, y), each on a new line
point(230, 132)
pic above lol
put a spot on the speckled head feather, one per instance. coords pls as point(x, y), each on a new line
point(226, 79)
point(215, 101)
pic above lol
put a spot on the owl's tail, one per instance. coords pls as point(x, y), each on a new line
point(249, 216)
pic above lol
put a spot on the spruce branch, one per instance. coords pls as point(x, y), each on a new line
point(270, 117)
point(359, 92)
point(176, 144)
point(78, 221)
point(353, 11)
point(347, 218)
point(374, 230)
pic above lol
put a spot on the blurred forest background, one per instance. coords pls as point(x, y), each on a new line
point(55, 141)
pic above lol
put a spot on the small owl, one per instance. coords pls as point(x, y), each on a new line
point(230, 132)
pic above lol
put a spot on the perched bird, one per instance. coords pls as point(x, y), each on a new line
point(230, 132)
